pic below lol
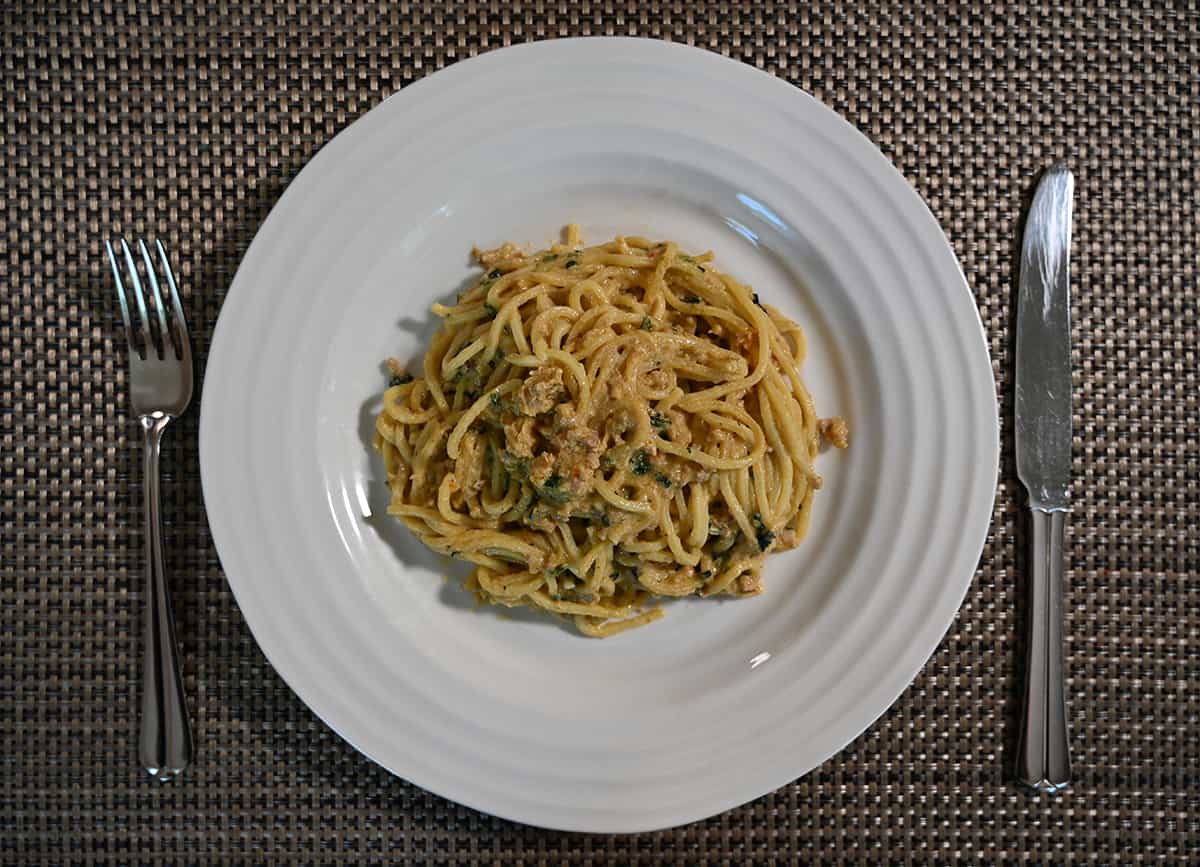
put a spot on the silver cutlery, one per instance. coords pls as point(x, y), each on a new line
point(1043, 443)
point(160, 377)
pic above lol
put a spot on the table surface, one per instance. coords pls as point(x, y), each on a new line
point(188, 121)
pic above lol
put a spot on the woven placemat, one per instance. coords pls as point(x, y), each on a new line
point(188, 120)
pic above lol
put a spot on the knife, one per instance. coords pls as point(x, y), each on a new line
point(1043, 442)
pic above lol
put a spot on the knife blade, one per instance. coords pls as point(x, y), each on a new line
point(1043, 385)
point(1043, 448)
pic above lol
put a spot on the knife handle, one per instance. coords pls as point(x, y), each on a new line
point(1043, 756)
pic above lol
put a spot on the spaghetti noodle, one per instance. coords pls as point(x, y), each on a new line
point(596, 426)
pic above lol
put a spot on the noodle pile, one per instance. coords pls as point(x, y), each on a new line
point(596, 426)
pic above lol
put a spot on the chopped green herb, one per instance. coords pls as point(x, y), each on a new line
point(514, 464)
point(691, 299)
point(765, 537)
point(662, 479)
point(400, 379)
point(490, 311)
point(647, 323)
point(495, 399)
point(596, 514)
point(570, 263)
point(550, 257)
point(552, 492)
point(640, 462)
point(504, 554)
point(494, 273)
point(659, 421)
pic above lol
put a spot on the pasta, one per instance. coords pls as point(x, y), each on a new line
point(597, 427)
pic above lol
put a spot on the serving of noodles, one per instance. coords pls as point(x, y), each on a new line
point(594, 427)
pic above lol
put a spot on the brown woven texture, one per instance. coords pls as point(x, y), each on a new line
point(187, 121)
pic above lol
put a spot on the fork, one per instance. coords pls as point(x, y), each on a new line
point(160, 376)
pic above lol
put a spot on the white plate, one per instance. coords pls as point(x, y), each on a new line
point(517, 715)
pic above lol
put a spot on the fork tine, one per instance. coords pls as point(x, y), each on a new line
point(177, 319)
point(139, 296)
point(116, 269)
point(159, 307)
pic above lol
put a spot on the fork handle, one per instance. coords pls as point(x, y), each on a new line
point(165, 743)
point(1043, 757)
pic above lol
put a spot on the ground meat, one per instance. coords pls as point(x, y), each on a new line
point(787, 537)
point(540, 468)
point(564, 418)
point(520, 437)
point(468, 468)
point(619, 422)
point(835, 431)
point(542, 390)
point(678, 432)
point(657, 381)
point(491, 258)
point(579, 457)
point(749, 583)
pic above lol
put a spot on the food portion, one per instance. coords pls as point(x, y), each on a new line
point(595, 427)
